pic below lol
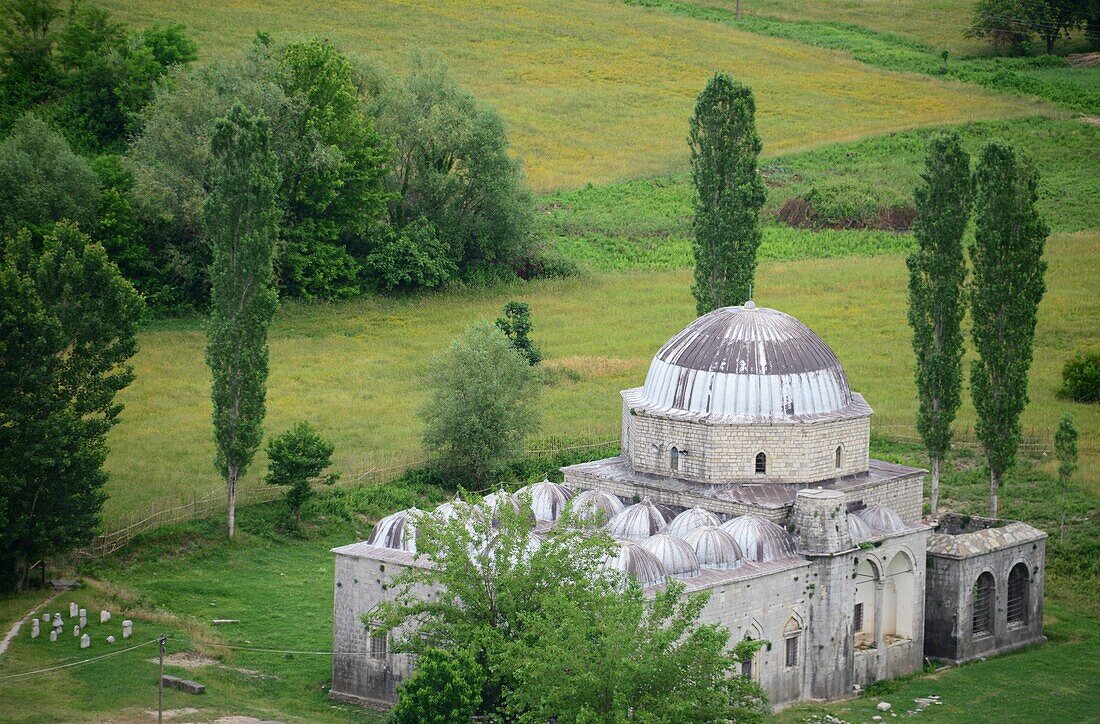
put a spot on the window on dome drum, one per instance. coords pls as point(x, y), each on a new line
point(761, 463)
point(838, 449)
point(982, 601)
point(378, 647)
point(674, 458)
point(1017, 594)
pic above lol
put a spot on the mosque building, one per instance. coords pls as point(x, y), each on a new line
point(745, 472)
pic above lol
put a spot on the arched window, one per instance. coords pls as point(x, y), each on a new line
point(983, 600)
point(674, 458)
point(1018, 580)
point(792, 635)
point(761, 463)
point(839, 448)
point(897, 599)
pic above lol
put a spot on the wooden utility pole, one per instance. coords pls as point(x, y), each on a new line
point(738, 11)
point(160, 682)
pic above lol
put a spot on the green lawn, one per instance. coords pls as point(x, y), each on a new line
point(595, 90)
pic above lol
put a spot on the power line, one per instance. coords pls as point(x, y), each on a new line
point(25, 674)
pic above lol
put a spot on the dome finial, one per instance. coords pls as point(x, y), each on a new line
point(750, 304)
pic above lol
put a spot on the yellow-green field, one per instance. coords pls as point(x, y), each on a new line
point(355, 369)
point(939, 23)
point(594, 90)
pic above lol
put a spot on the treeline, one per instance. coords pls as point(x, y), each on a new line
point(386, 183)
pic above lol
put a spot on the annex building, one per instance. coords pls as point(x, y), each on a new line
point(744, 471)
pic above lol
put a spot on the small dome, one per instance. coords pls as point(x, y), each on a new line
point(882, 519)
point(492, 548)
point(674, 553)
point(640, 564)
point(859, 529)
point(637, 522)
point(760, 540)
point(591, 502)
point(548, 500)
point(397, 531)
point(714, 548)
point(747, 362)
point(690, 520)
point(495, 501)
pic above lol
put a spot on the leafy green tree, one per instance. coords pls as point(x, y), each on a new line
point(728, 193)
point(335, 199)
point(937, 272)
point(296, 459)
point(1081, 376)
point(1054, 19)
point(330, 158)
point(242, 216)
point(515, 322)
point(1065, 448)
point(68, 326)
point(558, 633)
point(1004, 23)
point(29, 74)
point(450, 164)
point(446, 687)
point(1007, 259)
point(42, 181)
point(482, 404)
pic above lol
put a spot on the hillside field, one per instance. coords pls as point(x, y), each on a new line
point(594, 91)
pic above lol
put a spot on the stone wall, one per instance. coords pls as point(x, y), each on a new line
point(360, 585)
point(797, 452)
point(904, 495)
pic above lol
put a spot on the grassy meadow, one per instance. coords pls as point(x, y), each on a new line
point(595, 91)
point(354, 369)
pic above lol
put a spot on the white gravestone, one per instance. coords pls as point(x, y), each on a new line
point(73, 610)
point(104, 616)
point(35, 631)
point(57, 622)
point(45, 618)
point(110, 639)
point(76, 631)
point(53, 635)
point(85, 641)
point(127, 629)
point(83, 618)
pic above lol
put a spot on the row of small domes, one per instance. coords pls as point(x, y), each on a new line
point(655, 543)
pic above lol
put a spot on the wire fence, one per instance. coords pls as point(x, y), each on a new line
point(375, 469)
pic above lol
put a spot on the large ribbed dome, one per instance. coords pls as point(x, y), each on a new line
point(747, 362)
point(397, 530)
point(760, 540)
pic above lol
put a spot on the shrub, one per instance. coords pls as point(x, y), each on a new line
point(296, 459)
point(482, 405)
point(515, 322)
point(409, 258)
point(1081, 376)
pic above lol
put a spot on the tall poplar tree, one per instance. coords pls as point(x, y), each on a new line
point(937, 271)
point(1007, 258)
point(242, 222)
point(729, 193)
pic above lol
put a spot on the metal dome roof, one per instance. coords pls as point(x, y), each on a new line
point(588, 502)
point(714, 548)
point(637, 522)
point(548, 500)
point(643, 566)
point(674, 553)
point(882, 519)
point(859, 529)
point(397, 531)
point(747, 362)
point(495, 501)
point(760, 540)
point(690, 520)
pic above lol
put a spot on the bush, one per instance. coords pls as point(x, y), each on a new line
point(482, 404)
point(1081, 376)
point(409, 258)
point(446, 687)
point(296, 459)
point(840, 203)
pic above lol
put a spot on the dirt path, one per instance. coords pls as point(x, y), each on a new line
point(15, 628)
